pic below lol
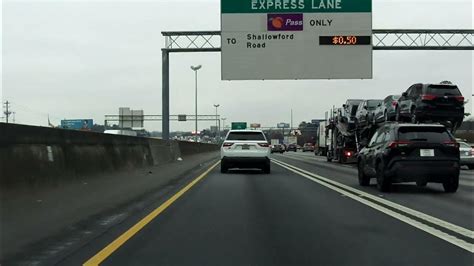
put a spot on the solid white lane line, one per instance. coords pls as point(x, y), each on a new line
point(428, 229)
point(452, 227)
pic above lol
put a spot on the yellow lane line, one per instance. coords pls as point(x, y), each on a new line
point(117, 243)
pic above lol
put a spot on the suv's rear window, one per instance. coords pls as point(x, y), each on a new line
point(246, 136)
point(441, 90)
point(428, 134)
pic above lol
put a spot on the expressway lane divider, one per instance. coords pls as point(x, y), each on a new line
point(122, 239)
point(392, 209)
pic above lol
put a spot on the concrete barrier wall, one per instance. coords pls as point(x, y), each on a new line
point(37, 155)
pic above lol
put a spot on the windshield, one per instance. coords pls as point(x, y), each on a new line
point(427, 134)
point(246, 136)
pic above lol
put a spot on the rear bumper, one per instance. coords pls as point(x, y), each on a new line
point(245, 162)
point(428, 171)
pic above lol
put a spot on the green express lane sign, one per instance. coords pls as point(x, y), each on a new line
point(295, 6)
point(296, 39)
point(239, 125)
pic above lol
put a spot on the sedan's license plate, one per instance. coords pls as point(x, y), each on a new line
point(245, 147)
point(427, 153)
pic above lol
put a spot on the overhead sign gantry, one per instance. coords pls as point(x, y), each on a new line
point(296, 39)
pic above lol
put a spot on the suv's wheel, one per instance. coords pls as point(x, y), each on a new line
point(414, 118)
point(398, 117)
point(383, 182)
point(451, 184)
point(364, 180)
point(224, 167)
point(266, 168)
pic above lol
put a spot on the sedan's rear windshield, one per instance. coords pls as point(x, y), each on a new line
point(428, 134)
point(441, 90)
point(246, 136)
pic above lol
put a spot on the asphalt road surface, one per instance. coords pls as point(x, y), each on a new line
point(306, 212)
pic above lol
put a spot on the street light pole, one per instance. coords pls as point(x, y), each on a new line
point(195, 69)
point(218, 135)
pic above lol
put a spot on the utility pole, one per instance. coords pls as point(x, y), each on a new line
point(7, 110)
point(291, 126)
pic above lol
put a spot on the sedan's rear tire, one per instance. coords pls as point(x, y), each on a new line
point(451, 184)
point(364, 180)
point(383, 182)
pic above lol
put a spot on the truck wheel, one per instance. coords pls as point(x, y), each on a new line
point(451, 184)
point(364, 180)
point(383, 182)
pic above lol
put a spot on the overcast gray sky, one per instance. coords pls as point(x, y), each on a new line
point(84, 59)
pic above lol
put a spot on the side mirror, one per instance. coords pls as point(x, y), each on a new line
point(379, 105)
point(405, 94)
point(365, 107)
point(344, 106)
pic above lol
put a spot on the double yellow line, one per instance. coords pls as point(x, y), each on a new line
point(117, 243)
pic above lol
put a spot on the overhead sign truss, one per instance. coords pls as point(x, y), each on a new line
point(396, 39)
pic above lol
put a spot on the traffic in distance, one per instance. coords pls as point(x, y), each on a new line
point(401, 138)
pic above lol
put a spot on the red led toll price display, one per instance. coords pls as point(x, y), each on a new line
point(345, 40)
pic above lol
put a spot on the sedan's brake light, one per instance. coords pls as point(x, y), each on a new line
point(398, 144)
point(453, 144)
point(265, 145)
point(348, 154)
point(428, 97)
point(228, 144)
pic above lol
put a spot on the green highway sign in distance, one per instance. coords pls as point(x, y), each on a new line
point(295, 6)
point(296, 39)
point(239, 125)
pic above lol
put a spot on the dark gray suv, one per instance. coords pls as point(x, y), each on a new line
point(432, 103)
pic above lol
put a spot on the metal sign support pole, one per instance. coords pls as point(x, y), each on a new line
point(165, 94)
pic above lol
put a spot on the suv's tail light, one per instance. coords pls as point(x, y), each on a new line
point(459, 98)
point(453, 144)
point(227, 144)
point(398, 144)
point(265, 145)
point(428, 97)
point(394, 103)
point(348, 153)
